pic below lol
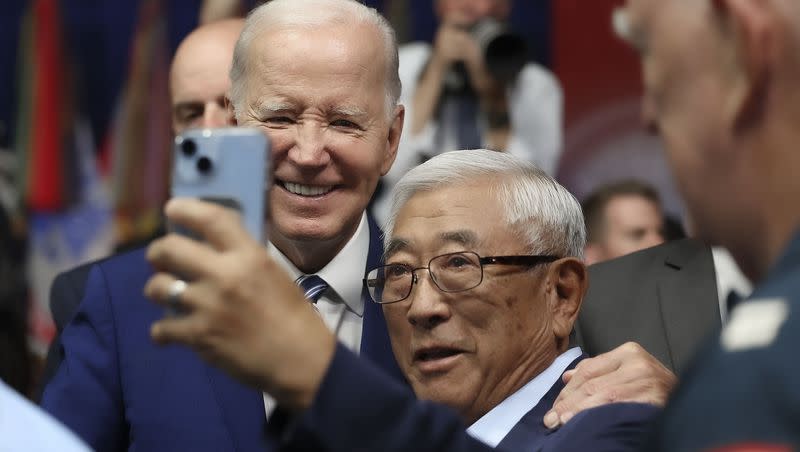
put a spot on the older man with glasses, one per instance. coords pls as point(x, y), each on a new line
point(485, 330)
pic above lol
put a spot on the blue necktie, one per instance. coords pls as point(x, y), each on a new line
point(313, 286)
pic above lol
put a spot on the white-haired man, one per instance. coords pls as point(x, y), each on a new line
point(320, 78)
point(482, 283)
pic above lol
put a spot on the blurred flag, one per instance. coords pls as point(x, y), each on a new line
point(137, 146)
point(59, 189)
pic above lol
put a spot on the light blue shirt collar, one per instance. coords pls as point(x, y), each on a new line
point(495, 425)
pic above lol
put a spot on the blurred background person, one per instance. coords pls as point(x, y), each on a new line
point(622, 217)
point(198, 77)
point(737, 169)
point(474, 87)
point(199, 85)
point(198, 89)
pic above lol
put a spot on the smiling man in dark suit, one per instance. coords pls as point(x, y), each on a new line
point(334, 126)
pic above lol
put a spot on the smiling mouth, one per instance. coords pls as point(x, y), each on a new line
point(306, 190)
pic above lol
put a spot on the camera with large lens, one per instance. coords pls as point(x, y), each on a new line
point(504, 51)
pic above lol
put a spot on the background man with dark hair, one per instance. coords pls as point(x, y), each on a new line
point(621, 217)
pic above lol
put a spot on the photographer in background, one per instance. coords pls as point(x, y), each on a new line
point(472, 88)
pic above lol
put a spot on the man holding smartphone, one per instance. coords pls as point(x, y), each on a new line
point(327, 99)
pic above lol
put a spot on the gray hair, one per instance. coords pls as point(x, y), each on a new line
point(546, 215)
point(309, 14)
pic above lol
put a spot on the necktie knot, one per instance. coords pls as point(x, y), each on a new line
point(313, 286)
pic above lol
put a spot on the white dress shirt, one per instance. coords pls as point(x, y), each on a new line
point(729, 279)
point(341, 305)
point(535, 113)
point(24, 426)
point(495, 425)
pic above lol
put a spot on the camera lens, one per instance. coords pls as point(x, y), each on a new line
point(189, 147)
point(204, 165)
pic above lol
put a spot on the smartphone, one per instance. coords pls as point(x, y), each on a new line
point(228, 166)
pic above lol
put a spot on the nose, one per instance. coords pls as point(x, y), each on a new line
point(309, 147)
point(428, 306)
point(216, 115)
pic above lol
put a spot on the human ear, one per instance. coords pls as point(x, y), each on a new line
point(751, 26)
point(570, 281)
point(393, 138)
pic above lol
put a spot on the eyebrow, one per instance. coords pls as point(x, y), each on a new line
point(394, 246)
point(187, 105)
point(272, 107)
point(462, 237)
point(348, 110)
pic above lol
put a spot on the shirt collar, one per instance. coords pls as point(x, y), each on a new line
point(495, 425)
point(343, 272)
point(729, 279)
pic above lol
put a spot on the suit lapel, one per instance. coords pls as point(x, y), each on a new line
point(686, 284)
point(529, 433)
point(242, 411)
point(375, 344)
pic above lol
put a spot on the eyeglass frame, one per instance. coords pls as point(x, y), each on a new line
point(528, 260)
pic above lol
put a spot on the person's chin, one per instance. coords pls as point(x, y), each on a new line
point(322, 228)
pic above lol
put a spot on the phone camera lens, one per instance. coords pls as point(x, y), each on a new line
point(204, 165)
point(189, 147)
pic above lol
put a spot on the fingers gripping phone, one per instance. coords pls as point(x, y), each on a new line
point(228, 166)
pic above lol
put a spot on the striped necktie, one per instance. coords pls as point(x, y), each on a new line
point(313, 286)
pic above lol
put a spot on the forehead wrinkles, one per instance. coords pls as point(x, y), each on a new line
point(333, 72)
point(329, 51)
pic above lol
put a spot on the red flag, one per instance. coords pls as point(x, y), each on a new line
point(43, 119)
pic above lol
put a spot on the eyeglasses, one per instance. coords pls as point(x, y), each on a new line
point(451, 272)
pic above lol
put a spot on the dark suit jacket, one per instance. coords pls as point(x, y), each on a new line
point(118, 390)
point(66, 294)
point(357, 408)
point(664, 298)
point(742, 390)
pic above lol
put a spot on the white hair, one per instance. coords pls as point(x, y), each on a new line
point(309, 14)
point(546, 215)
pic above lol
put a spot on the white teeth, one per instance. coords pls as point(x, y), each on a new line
point(307, 190)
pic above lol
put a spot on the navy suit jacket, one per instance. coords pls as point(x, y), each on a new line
point(119, 391)
point(358, 408)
